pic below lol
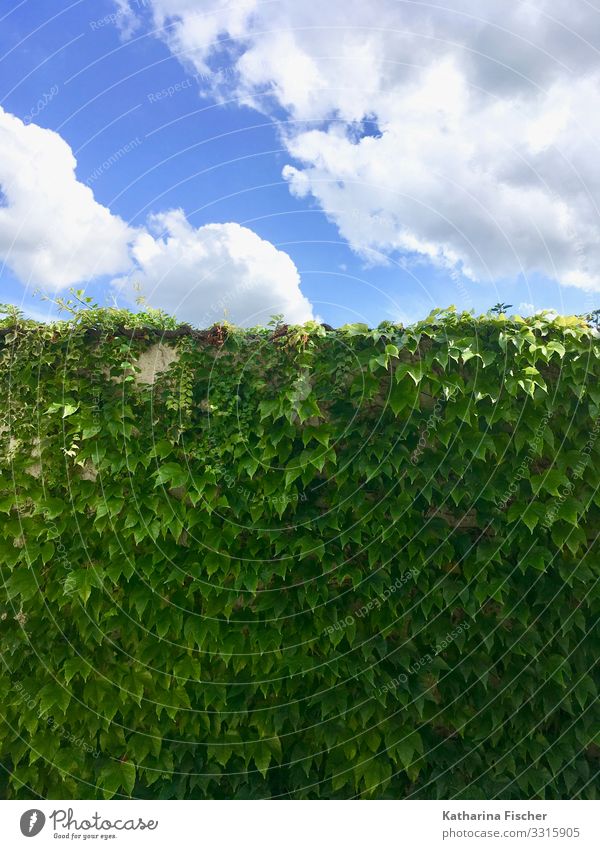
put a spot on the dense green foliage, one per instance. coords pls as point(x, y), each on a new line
point(304, 562)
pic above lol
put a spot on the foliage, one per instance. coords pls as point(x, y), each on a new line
point(304, 562)
point(500, 308)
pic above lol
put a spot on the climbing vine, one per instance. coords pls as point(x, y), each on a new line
point(297, 561)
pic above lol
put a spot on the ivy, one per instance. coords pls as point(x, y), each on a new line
point(303, 562)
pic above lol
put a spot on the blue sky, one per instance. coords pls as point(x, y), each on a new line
point(358, 187)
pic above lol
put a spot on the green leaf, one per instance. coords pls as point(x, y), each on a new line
point(262, 758)
point(81, 582)
point(401, 395)
point(54, 507)
point(116, 776)
point(556, 347)
point(355, 329)
point(407, 748)
point(53, 696)
point(173, 474)
point(569, 510)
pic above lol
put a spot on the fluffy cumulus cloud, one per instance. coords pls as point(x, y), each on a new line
point(212, 272)
point(53, 232)
point(464, 134)
point(126, 18)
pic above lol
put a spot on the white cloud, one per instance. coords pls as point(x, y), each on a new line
point(212, 272)
point(459, 185)
point(487, 117)
point(53, 233)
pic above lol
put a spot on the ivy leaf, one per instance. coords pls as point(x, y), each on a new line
point(262, 759)
point(249, 464)
point(407, 748)
point(75, 666)
point(550, 481)
point(556, 347)
point(569, 510)
point(171, 473)
point(355, 329)
point(90, 431)
point(533, 514)
point(401, 396)
point(81, 582)
point(52, 696)
point(22, 583)
point(54, 507)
